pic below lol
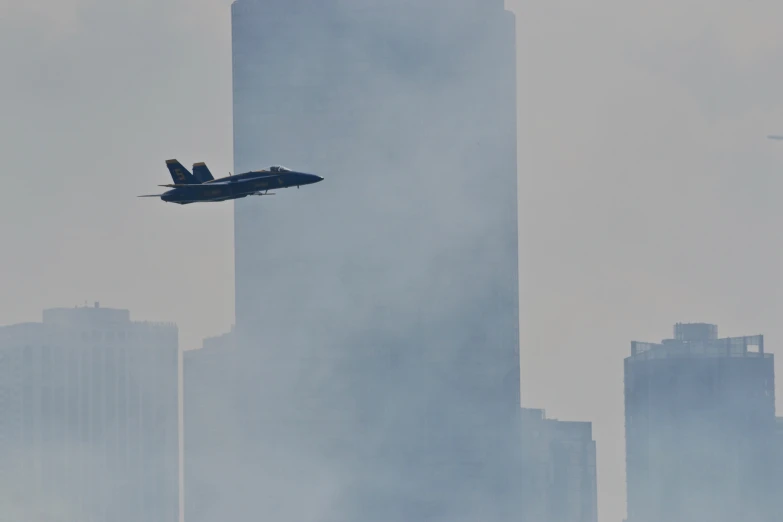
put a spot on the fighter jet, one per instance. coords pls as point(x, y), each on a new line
point(201, 187)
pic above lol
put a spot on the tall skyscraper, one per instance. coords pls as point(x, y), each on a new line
point(700, 423)
point(89, 418)
point(409, 110)
point(377, 314)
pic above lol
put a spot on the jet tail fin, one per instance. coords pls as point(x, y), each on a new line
point(201, 172)
point(180, 174)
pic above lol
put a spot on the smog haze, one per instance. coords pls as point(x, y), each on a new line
point(648, 194)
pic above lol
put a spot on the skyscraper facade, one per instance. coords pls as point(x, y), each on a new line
point(89, 418)
point(700, 424)
point(377, 313)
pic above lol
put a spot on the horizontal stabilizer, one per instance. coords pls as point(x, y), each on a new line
point(150, 195)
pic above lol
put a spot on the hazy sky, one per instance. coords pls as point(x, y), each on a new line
point(648, 192)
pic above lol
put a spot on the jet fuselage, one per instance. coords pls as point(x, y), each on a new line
point(238, 186)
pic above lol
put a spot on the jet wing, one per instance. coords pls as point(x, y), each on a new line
point(195, 186)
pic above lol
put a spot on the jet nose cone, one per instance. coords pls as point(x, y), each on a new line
point(305, 178)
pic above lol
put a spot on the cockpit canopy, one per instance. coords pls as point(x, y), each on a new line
point(279, 168)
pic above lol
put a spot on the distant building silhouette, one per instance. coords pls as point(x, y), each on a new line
point(89, 418)
point(377, 348)
point(700, 421)
point(210, 439)
point(778, 463)
point(562, 458)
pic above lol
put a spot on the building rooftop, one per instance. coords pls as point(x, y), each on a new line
point(85, 315)
point(88, 323)
point(694, 340)
point(571, 430)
